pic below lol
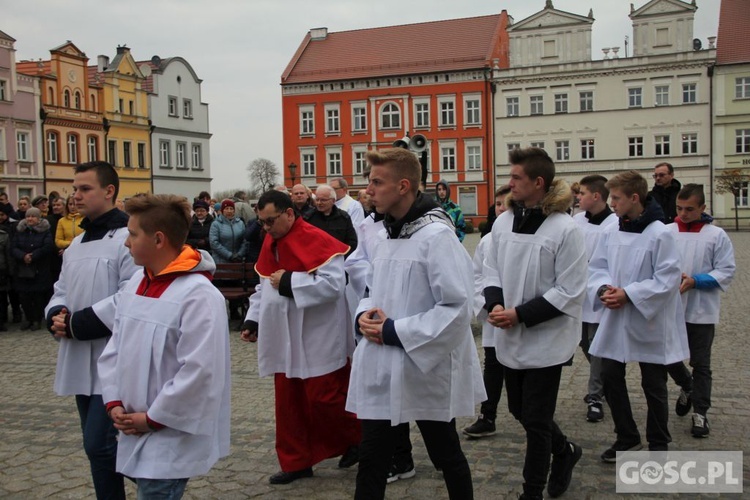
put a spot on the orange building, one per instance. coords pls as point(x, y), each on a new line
point(349, 92)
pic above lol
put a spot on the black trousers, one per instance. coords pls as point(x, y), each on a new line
point(700, 341)
point(493, 384)
point(443, 446)
point(33, 304)
point(532, 398)
point(654, 385)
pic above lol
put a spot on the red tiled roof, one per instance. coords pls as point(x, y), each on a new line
point(732, 45)
point(148, 83)
point(95, 78)
point(34, 68)
point(451, 45)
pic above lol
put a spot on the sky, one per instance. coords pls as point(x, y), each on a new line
point(239, 48)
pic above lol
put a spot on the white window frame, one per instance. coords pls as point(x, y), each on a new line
point(307, 120)
point(510, 146)
point(72, 144)
point(23, 146)
point(196, 156)
point(742, 140)
point(180, 157)
point(690, 143)
point(446, 111)
point(359, 160)
point(422, 112)
point(3, 153)
point(537, 144)
point(742, 87)
point(53, 151)
point(448, 153)
point(472, 110)
point(112, 152)
point(561, 103)
point(164, 153)
point(586, 101)
point(562, 150)
point(187, 108)
point(334, 161)
point(635, 97)
point(4, 90)
point(635, 147)
point(307, 159)
point(689, 93)
point(392, 114)
point(127, 154)
point(588, 149)
point(662, 145)
point(171, 106)
point(359, 120)
point(512, 106)
point(92, 148)
point(333, 118)
point(661, 95)
point(473, 155)
point(467, 207)
point(743, 200)
point(536, 104)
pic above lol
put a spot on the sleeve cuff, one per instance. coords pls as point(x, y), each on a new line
point(112, 405)
point(389, 334)
point(153, 424)
point(536, 311)
point(250, 325)
point(285, 285)
point(493, 295)
point(86, 325)
point(705, 281)
point(356, 324)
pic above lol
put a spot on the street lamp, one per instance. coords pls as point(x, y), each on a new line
point(293, 172)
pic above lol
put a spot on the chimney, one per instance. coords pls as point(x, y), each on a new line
point(318, 33)
point(101, 63)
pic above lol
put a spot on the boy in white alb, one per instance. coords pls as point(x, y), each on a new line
point(707, 270)
point(595, 218)
point(165, 372)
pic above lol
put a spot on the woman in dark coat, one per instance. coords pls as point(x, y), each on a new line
point(31, 247)
point(200, 225)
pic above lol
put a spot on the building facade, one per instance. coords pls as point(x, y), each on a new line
point(349, 92)
point(180, 139)
point(20, 149)
point(72, 129)
point(614, 114)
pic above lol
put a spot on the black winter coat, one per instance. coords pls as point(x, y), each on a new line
point(37, 241)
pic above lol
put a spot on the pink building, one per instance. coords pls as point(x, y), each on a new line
point(20, 128)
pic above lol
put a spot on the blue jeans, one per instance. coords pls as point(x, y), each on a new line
point(161, 489)
point(100, 444)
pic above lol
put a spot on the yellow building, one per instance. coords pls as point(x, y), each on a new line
point(126, 125)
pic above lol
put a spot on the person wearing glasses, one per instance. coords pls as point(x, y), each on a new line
point(331, 219)
point(665, 190)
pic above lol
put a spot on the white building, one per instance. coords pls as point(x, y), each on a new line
point(624, 111)
point(180, 140)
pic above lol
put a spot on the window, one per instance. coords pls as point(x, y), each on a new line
point(661, 95)
point(66, 98)
point(537, 144)
point(141, 155)
point(92, 148)
point(52, 147)
point(359, 118)
point(562, 150)
point(689, 144)
point(72, 148)
point(121, 105)
point(561, 103)
point(662, 36)
point(467, 199)
point(473, 156)
point(390, 116)
point(131, 108)
point(306, 121)
point(537, 104)
point(635, 147)
point(332, 119)
point(513, 145)
point(742, 87)
point(3, 90)
point(112, 152)
point(360, 161)
point(661, 145)
point(742, 140)
point(196, 157)
point(180, 155)
point(635, 97)
point(187, 108)
point(473, 116)
point(308, 164)
point(77, 100)
point(422, 114)
point(93, 103)
point(23, 146)
point(742, 198)
point(172, 106)
point(447, 113)
point(3, 155)
point(334, 163)
point(587, 149)
point(126, 154)
point(550, 49)
point(511, 105)
point(448, 158)
point(164, 153)
point(689, 93)
point(586, 100)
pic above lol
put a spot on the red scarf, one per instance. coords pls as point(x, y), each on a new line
point(303, 249)
point(693, 227)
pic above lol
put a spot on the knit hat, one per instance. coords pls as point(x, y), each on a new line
point(7, 209)
point(225, 204)
point(200, 204)
point(38, 199)
point(33, 212)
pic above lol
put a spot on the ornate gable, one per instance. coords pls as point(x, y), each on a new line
point(551, 17)
point(69, 49)
point(662, 7)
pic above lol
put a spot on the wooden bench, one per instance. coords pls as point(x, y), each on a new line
point(236, 281)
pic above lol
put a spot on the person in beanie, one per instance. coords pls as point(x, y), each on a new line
point(200, 226)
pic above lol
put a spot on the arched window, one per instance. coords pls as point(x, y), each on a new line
point(66, 98)
point(77, 99)
point(390, 116)
point(72, 148)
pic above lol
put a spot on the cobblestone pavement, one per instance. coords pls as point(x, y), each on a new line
point(41, 453)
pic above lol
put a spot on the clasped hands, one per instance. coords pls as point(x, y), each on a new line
point(131, 424)
point(501, 317)
point(371, 324)
point(275, 278)
point(58, 324)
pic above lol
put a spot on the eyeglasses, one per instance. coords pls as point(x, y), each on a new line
point(660, 175)
point(323, 200)
point(269, 222)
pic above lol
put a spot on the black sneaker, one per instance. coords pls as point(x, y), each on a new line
point(282, 477)
point(700, 427)
point(481, 428)
point(610, 456)
point(349, 458)
point(401, 472)
point(561, 470)
point(684, 403)
point(595, 412)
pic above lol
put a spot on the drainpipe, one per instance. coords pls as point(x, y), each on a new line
point(710, 73)
point(151, 128)
point(43, 139)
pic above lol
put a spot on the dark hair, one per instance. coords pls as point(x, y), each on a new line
point(690, 190)
point(630, 183)
point(502, 190)
point(669, 166)
point(596, 184)
point(105, 174)
point(167, 213)
point(536, 163)
point(204, 194)
point(281, 201)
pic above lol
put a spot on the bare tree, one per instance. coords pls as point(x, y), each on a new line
point(731, 181)
point(263, 174)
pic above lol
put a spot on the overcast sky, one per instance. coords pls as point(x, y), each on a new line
point(239, 48)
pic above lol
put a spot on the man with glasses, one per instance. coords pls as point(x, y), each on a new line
point(346, 202)
point(304, 342)
point(332, 219)
point(665, 190)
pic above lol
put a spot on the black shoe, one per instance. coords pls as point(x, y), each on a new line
point(684, 403)
point(700, 427)
point(610, 456)
point(483, 427)
point(595, 412)
point(36, 325)
point(526, 496)
point(26, 326)
point(349, 458)
point(282, 477)
point(401, 472)
point(561, 470)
